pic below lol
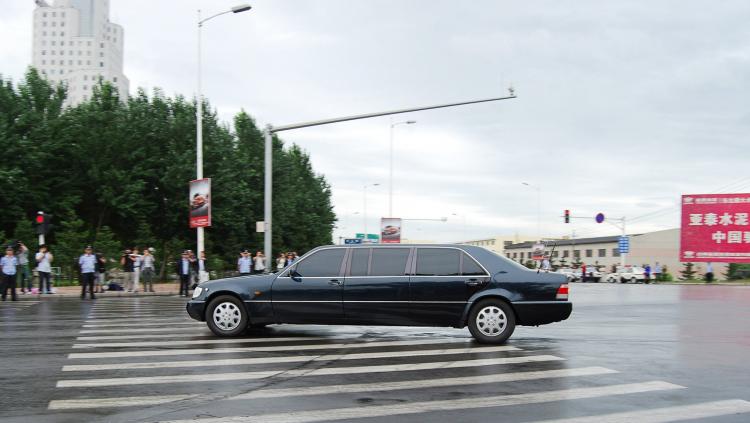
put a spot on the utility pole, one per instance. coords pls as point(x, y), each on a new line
point(270, 130)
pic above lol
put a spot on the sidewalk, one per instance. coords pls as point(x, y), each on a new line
point(161, 289)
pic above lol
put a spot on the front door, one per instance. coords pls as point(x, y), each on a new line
point(311, 290)
point(443, 281)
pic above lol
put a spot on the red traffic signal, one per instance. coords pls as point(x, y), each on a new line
point(567, 216)
point(40, 219)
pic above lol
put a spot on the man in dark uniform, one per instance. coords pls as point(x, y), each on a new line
point(87, 265)
point(184, 267)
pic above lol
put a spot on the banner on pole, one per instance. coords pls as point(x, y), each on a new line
point(200, 203)
point(390, 230)
point(715, 227)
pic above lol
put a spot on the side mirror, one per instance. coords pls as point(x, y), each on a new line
point(295, 276)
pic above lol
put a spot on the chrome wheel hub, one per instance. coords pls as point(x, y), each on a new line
point(227, 316)
point(491, 321)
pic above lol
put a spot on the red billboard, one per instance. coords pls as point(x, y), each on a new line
point(715, 227)
point(200, 203)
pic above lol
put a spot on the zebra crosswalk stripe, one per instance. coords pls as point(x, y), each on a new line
point(437, 405)
point(194, 351)
point(421, 383)
point(165, 343)
point(115, 402)
point(222, 377)
point(285, 359)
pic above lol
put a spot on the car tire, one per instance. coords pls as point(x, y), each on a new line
point(492, 321)
point(634, 280)
point(226, 316)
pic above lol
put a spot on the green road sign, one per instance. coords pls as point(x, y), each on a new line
point(369, 236)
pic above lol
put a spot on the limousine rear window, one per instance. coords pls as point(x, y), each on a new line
point(322, 263)
point(438, 262)
point(470, 267)
point(360, 261)
point(389, 261)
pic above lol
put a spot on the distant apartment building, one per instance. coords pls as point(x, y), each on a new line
point(75, 43)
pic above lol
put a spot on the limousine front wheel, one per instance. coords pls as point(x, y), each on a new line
point(226, 316)
point(492, 321)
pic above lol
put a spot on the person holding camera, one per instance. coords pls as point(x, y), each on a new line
point(148, 270)
point(8, 268)
point(126, 261)
point(23, 271)
point(101, 273)
point(44, 268)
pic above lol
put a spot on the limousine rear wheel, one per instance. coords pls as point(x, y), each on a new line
point(492, 321)
point(226, 316)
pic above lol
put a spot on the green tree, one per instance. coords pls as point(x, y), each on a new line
point(687, 272)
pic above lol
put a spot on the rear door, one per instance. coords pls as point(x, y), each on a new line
point(316, 294)
point(376, 288)
point(443, 280)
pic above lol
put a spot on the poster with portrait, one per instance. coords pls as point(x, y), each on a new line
point(390, 230)
point(200, 203)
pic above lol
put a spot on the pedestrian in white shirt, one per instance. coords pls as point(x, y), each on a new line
point(8, 269)
point(259, 263)
point(244, 264)
point(203, 275)
point(137, 262)
point(44, 268)
point(148, 270)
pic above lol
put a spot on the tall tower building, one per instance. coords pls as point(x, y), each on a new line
point(75, 43)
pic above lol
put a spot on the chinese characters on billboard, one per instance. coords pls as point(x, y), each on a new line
point(390, 230)
point(715, 227)
point(200, 203)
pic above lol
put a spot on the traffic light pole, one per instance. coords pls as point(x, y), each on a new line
point(268, 138)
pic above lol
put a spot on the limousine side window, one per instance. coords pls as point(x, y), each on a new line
point(438, 262)
point(324, 263)
point(389, 261)
point(360, 261)
point(471, 268)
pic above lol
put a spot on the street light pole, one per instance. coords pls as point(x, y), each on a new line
point(200, 234)
point(390, 170)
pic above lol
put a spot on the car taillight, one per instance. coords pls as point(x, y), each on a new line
point(562, 292)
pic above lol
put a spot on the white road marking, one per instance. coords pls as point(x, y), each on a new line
point(188, 334)
point(141, 330)
point(115, 402)
point(666, 414)
point(431, 406)
point(149, 353)
point(221, 377)
point(136, 321)
point(422, 383)
point(213, 341)
point(122, 324)
point(272, 360)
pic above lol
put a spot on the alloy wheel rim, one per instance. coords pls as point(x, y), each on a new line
point(227, 316)
point(491, 321)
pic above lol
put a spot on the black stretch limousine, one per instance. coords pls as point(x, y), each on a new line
point(407, 285)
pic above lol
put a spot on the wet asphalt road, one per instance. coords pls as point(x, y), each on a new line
point(628, 353)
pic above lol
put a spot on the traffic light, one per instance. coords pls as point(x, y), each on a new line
point(567, 216)
point(42, 223)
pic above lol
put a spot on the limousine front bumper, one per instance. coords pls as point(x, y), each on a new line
point(197, 310)
point(534, 313)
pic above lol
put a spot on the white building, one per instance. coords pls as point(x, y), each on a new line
point(75, 43)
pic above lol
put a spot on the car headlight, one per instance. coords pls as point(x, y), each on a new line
point(197, 292)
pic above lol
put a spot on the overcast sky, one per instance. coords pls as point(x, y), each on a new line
point(622, 106)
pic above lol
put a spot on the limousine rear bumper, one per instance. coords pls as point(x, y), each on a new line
point(534, 313)
point(196, 310)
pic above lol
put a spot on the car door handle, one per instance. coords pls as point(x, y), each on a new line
point(334, 282)
point(473, 282)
